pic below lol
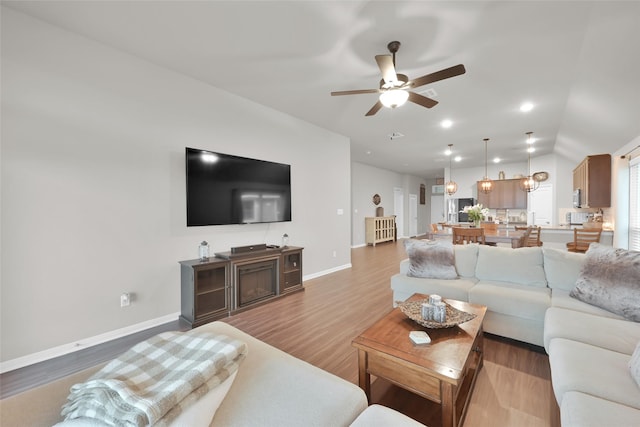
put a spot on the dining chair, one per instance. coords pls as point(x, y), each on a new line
point(434, 228)
point(582, 238)
point(525, 237)
point(490, 227)
point(462, 235)
point(534, 236)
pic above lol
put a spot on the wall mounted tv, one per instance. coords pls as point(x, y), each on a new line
point(225, 189)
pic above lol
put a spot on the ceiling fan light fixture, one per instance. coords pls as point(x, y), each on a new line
point(393, 98)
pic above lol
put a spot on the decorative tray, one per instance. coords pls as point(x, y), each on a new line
point(413, 310)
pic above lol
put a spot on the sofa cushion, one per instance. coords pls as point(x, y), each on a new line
point(381, 416)
point(466, 258)
point(603, 373)
point(431, 259)
point(404, 286)
point(610, 279)
point(520, 301)
point(613, 334)
point(298, 393)
point(562, 299)
point(634, 365)
point(523, 266)
point(582, 410)
point(562, 268)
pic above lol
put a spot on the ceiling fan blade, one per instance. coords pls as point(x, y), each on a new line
point(422, 100)
point(374, 109)
point(385, 63)
point(354, 92)
point(456, 70)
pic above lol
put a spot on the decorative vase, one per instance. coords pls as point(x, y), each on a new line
point(476, 223)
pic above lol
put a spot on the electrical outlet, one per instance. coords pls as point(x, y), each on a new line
point(125, 299)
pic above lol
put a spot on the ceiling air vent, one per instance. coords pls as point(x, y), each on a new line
point(395, 135)
point(429, 93)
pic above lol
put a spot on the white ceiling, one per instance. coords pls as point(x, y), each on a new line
point(578, 62)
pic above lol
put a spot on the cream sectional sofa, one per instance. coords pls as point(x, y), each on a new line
point(527, 293)
point(271, 388)
point(511, 283)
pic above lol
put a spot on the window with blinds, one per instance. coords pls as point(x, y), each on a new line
point(634, 204)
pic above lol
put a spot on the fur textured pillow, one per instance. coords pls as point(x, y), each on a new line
point(610, 279)
point(430, 259)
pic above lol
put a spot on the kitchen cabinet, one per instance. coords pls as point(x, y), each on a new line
point(593, 178)
point(506, 194)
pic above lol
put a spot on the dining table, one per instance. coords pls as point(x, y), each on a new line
point(490, 236)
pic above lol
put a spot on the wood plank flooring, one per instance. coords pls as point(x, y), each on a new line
point(318, 325)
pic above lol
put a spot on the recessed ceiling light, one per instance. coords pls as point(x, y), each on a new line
point(531, 149)
point(496, 160)
point(368, 151)
point(446, 123)
point(526, 107)
point(457, 158)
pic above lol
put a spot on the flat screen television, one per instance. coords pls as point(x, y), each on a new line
point(225, 189)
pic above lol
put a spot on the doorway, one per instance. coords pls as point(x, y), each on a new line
point(413, 215)
point(398, 210)
point(541, 206)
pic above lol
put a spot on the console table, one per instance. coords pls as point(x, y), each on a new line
point(380, 229)
point(233, 282)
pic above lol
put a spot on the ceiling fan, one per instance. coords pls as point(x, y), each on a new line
point(394, 88)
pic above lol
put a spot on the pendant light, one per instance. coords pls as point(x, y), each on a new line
point(528, 183)
point(450, 187)
point(486, 185)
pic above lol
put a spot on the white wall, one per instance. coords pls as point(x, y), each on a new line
point(93, 188)
point(368, 180)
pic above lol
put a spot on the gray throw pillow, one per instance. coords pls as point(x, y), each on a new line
point(610, 279)
point(430, 259)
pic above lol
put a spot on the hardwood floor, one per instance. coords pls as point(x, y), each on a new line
point(318, 325)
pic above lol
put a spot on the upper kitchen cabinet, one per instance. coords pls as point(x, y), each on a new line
point(506, 194)
point(593, 178)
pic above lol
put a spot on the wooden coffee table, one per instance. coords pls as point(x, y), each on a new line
point(443, 371)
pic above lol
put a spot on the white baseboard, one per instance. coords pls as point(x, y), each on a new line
point(322, 273)
point(61, 350)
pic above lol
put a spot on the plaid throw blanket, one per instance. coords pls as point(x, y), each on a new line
point(156, 380)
